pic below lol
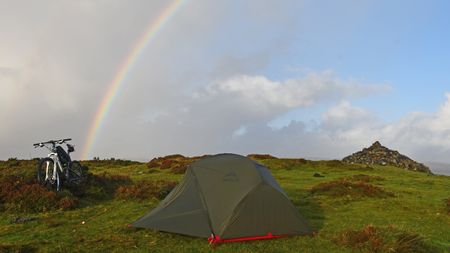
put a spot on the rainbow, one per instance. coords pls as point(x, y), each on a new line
point(114, 87)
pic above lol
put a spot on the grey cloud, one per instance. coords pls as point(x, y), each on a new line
point(206, 122)
point(65, 54)
point(343, 129)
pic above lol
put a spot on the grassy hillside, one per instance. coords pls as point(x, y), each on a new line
point(353, 208)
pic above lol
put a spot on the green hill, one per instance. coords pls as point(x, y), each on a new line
point(352, 208)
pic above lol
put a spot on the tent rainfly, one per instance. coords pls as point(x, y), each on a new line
point(227, 198)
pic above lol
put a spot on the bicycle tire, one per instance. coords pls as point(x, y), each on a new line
point(46, 167)
point(76, 175)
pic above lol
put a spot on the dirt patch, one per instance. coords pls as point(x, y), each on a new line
point(375, 239)
point(350, 189)
point(145, 189)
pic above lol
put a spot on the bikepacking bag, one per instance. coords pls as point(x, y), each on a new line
point(63, 156)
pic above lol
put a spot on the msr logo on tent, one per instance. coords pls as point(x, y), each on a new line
point(230, 177)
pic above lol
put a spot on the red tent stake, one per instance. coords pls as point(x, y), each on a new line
point(215, 239)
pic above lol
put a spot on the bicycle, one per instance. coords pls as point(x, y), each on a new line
point(58, 167)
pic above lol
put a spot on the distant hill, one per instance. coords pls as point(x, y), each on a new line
point(439, 168)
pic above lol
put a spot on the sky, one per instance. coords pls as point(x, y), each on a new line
point(315, 79)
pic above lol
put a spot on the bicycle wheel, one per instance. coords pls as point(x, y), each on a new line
point(45, 174)
point(76, 175)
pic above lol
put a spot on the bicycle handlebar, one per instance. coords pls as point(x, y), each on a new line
point(61, 141)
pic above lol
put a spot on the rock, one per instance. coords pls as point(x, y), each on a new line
point(378, 154)
point(20, 220)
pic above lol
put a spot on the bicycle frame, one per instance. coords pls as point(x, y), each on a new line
point(56, 165)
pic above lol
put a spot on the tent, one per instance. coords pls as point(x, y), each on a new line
point(226, 198)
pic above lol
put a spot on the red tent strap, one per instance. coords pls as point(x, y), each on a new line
point(215, 239)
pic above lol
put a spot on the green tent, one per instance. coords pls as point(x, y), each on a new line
point(227, 197)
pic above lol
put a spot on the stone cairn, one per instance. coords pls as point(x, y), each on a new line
point(378, 154)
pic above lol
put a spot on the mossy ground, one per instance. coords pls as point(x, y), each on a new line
point(418, 207)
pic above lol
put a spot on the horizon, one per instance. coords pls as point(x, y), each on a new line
point(439, 168)
point(290, 79)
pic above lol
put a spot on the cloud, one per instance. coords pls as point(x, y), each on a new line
point(267, 98)
point(425, 136)
point(223, 120)
point(344, 122)
point(344, 115)
point(232, 115)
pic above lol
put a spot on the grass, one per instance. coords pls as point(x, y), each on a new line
point(145, 190)
point(413, 216)
point(447, 204)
